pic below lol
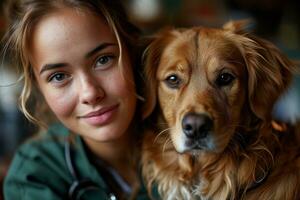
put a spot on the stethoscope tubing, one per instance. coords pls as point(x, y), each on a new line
point(78, 186)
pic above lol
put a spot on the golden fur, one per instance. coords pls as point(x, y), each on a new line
point(183, 72)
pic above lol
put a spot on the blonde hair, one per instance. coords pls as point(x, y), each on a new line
point(22, 15)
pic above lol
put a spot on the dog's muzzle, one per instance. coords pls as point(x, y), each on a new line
point(196, 127)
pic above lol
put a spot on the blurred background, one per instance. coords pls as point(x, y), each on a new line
point(275, 20)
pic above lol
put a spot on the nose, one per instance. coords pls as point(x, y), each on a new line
point(91, 91)
point(196, 126)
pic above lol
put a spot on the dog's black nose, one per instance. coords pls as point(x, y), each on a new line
point(196, 125)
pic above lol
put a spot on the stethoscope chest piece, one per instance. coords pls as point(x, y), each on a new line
point(112, 197)
point(79, 187)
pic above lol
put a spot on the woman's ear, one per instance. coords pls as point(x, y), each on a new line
point(269, 74)
point(151, 60)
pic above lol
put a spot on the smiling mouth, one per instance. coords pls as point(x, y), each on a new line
point(101, 117)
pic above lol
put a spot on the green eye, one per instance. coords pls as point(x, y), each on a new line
point(58, 77)
point(104, 61)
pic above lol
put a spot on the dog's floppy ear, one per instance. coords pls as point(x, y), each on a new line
point(151, 58)
point(269, 74)
point(269, 71)
point(238, 26)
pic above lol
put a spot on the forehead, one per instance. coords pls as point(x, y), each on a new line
point(67, 31)
point(70, 22)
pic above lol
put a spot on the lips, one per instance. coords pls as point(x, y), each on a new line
point(100, 117)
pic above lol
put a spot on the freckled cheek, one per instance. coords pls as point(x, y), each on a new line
point(125, 90)
point(62, 104)
point(120, 88)
point(118, 85)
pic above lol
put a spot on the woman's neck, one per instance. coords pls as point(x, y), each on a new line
point(119, 154)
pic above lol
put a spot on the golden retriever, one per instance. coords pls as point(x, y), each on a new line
point(209, 103)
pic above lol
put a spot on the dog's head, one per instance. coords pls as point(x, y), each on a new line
point(209, 82)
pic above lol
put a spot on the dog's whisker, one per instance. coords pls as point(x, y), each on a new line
point(161, 133)
point(168, 140)
point(163, 124)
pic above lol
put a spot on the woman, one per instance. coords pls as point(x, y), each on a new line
point(80, 55)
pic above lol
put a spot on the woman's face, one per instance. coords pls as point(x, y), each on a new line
point(74, 55)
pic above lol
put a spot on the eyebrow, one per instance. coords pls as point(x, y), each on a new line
point(99, 48)
point(89, 54)
point(52, 66)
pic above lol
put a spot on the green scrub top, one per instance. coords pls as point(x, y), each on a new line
point(39, 170)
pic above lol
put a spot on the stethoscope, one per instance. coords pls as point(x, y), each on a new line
point(79, 186)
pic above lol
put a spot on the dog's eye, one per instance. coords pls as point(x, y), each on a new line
point(173, 81)
point(224, 79)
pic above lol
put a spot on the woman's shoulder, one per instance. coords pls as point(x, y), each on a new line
point(47, 146)
point(35, 162)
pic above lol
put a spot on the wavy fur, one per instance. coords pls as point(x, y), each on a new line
point(244, 147)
